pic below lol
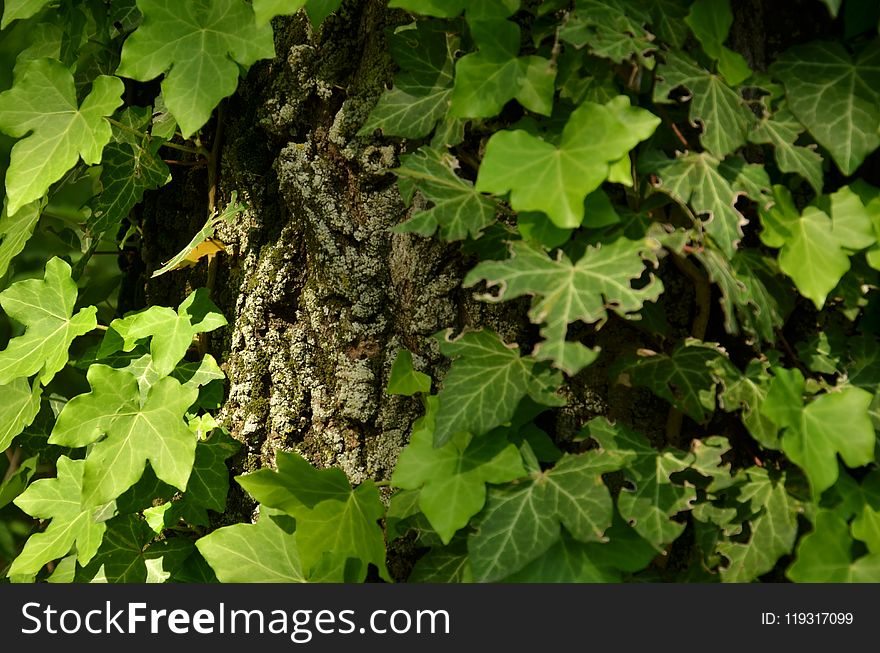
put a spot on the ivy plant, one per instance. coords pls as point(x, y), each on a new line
point(620, 164)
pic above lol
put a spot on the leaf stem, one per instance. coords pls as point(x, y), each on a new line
point(174, 146)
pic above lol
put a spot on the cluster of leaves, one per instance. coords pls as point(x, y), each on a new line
point(613, 148)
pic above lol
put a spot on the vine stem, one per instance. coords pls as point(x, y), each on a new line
point(213, 175)
point(699, 326)
point(14, 458)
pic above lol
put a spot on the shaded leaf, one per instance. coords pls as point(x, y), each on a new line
point(565, 292)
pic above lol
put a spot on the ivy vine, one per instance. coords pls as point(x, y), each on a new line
point(590, 155)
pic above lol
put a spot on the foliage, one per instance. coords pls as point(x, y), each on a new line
point(618, 163)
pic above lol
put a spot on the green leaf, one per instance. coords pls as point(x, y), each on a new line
point(781, 130)
point(345, 529)
point(16, 483)
point(127, 556)
point(812, 436)
point(565, 292)
point(266, 10)
point(612, 29)
point(485, 384)
point(773, 528)
point(21, 9)
point(253, 553)
point(331, 517)
point(318, 10)
point(543, 177)
point(835, 97)
point(404, 380)
point(294, 485)
point(41, 109)
point(171, 331)
point(568, 561)
point(719, 110)
point(458, 209)
point(825, 555)
point(748, 391)
point(754, 298)
point(209, 481)
point(136, 432)
point(523, 520)
point(650, 497)
point(852, 221)
point(711, 188)
point(58, 499)
point(453, 477)
point(45, 307)
point(130, 167)
point(422, 91)
point(810, 254)
point(667, 19)
point(18, 409)
point(486, 80)
point(447, 564)
point(683, 378)
point(710, 21)
point(15, 231)
point(833, 6)
point(199, 46)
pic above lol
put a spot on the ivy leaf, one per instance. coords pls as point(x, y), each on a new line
point(209, 481)
point(171, 331)
point(41, 109)
point(650, 497)
point(543, 177)
point(485, 384)
point(45, 307)
point(812, 436)
point(684, 378)
point(345, 529)
point(19, 408)
point(266, 10)
point(667, 19)
point(13, 485)
point(748, 391)
point(810, 254)
point(612, 30)
point(825, 555)
point(486, 80)
point(710, 21)
point(136, 432)
point(331, 517)
point(565, 292)
point(568, 561)
point(21, 9)
point(127, 172)
point(199, 46)
point(253, 553)
point(445, 564)
point(852, 222)
point(781, 131)
point(712, 188)
point(773, 527)
point(458, 209)
point(15, 231)
point(835, 97)
point(453, 477)
point(58, 499)
point(719, 109)
point(422, 91)
point(294, 485)
point(752, 295)
point(404, 380)
point(127, 556)
point(523, 520)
